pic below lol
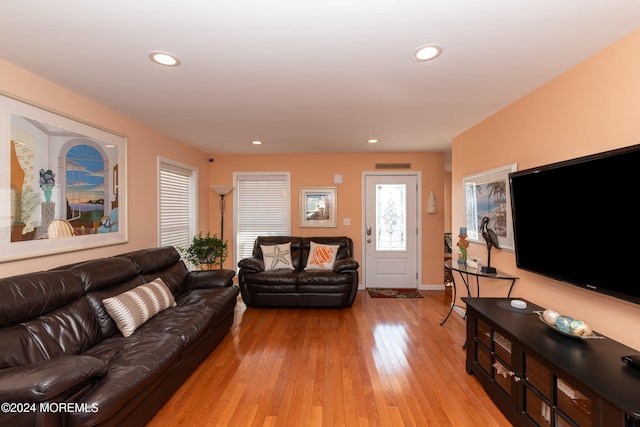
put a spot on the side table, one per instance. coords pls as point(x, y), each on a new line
point(465, 272)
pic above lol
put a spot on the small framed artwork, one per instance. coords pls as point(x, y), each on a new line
point(63, 183)
point(486, 194)
point(318, 207)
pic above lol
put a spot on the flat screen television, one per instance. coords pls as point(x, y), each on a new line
point(577, 221)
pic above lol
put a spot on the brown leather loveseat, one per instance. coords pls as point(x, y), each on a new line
point(293, 282)
point(64, 361)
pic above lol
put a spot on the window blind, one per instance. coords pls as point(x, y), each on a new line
point(177, 205)
point(262, 209)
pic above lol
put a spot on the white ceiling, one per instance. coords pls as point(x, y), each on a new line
point(308, 76)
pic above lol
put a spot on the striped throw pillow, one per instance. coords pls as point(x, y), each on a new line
point(132, 308)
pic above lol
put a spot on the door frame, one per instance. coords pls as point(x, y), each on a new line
point(418, 175)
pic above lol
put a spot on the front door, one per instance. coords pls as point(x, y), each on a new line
point(391, 230)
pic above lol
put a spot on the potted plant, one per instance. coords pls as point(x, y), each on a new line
point(206, 251)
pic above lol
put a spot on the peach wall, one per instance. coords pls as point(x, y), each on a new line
point(318, 170)
point(144, 147)
point(590, 108)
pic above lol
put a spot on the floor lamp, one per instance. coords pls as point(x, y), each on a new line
point(222, 190)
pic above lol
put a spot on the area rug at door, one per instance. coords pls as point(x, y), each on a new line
point(393, 293)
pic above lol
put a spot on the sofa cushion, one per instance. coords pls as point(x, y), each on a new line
point(132, 308)
point(220, 299)
point(276, 257)
point(27, 296)
point(187, 322)
point(324, 281)
point(68, 330)
point(321, 256)
point(46, 380)
point(134, 364)
point(105, 273)
point(163, 262)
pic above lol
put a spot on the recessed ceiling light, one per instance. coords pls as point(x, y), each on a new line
point(372, 141)
point(164, 58)
point(427, 52)
point(256, 142)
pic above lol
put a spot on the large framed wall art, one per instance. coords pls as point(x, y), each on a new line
point(318, 207)
point(62, 183)
point(487, 194)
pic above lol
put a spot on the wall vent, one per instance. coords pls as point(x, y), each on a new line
point(393, 165)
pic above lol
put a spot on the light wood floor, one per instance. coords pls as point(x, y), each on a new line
point(383, 362)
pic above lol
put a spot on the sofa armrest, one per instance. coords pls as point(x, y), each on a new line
point(345, 264)
point(202, 279)
point(38, 382)
point(251, 264)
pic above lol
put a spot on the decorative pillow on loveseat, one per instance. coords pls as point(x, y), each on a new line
point(277, 257)
point(132, 308)
point(321, 257)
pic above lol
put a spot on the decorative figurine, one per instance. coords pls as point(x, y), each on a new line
point(463, 245)
point(491, 238)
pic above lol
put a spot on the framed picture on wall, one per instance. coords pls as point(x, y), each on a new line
point(63, 183)
point(318, 207)
point(487, 194)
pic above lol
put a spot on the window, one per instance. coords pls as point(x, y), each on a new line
point(85, 191)
point(177, 212)
point(263, 208)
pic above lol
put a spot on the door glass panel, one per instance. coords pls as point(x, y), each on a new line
point(391, 217)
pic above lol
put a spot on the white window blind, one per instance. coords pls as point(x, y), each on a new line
point(177, 205)
point(263, 208)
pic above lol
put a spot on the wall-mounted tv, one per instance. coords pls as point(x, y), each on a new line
point(577, 221)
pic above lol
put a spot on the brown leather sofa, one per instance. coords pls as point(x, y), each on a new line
point(296, 286)
point(64, 362)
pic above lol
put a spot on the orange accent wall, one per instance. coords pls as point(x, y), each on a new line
point(318, 170)
point(144, 147)
point(593, 107)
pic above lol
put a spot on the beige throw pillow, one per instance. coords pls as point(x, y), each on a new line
point(277, 257)
point(321, 257)
point(132, 308)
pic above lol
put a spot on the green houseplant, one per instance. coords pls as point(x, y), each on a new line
point(206, 251)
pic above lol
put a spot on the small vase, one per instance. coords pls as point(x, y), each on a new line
point(47, 193)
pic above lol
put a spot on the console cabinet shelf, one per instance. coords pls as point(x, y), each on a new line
point(539, 377)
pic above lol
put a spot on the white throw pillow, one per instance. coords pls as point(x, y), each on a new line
point(321, 257)
point(277, 257)
point(132, 308)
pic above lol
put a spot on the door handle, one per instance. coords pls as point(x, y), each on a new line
point(368, 240)
point(369, 231)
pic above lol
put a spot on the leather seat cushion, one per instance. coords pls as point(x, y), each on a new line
point(221, 300)
point(188, 322)
point(324, 281)
point(133, 363)
point(272, 281)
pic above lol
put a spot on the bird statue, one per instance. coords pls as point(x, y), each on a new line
point(491, 238)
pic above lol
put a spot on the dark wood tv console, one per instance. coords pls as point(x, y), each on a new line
point(540, 377)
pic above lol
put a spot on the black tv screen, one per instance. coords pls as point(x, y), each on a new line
point(576, 221)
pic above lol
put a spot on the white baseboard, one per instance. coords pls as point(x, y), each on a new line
point(431, 287)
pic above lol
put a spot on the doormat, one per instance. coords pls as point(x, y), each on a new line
point(393, 293)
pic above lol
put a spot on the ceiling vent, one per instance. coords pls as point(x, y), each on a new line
point(393, 165)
